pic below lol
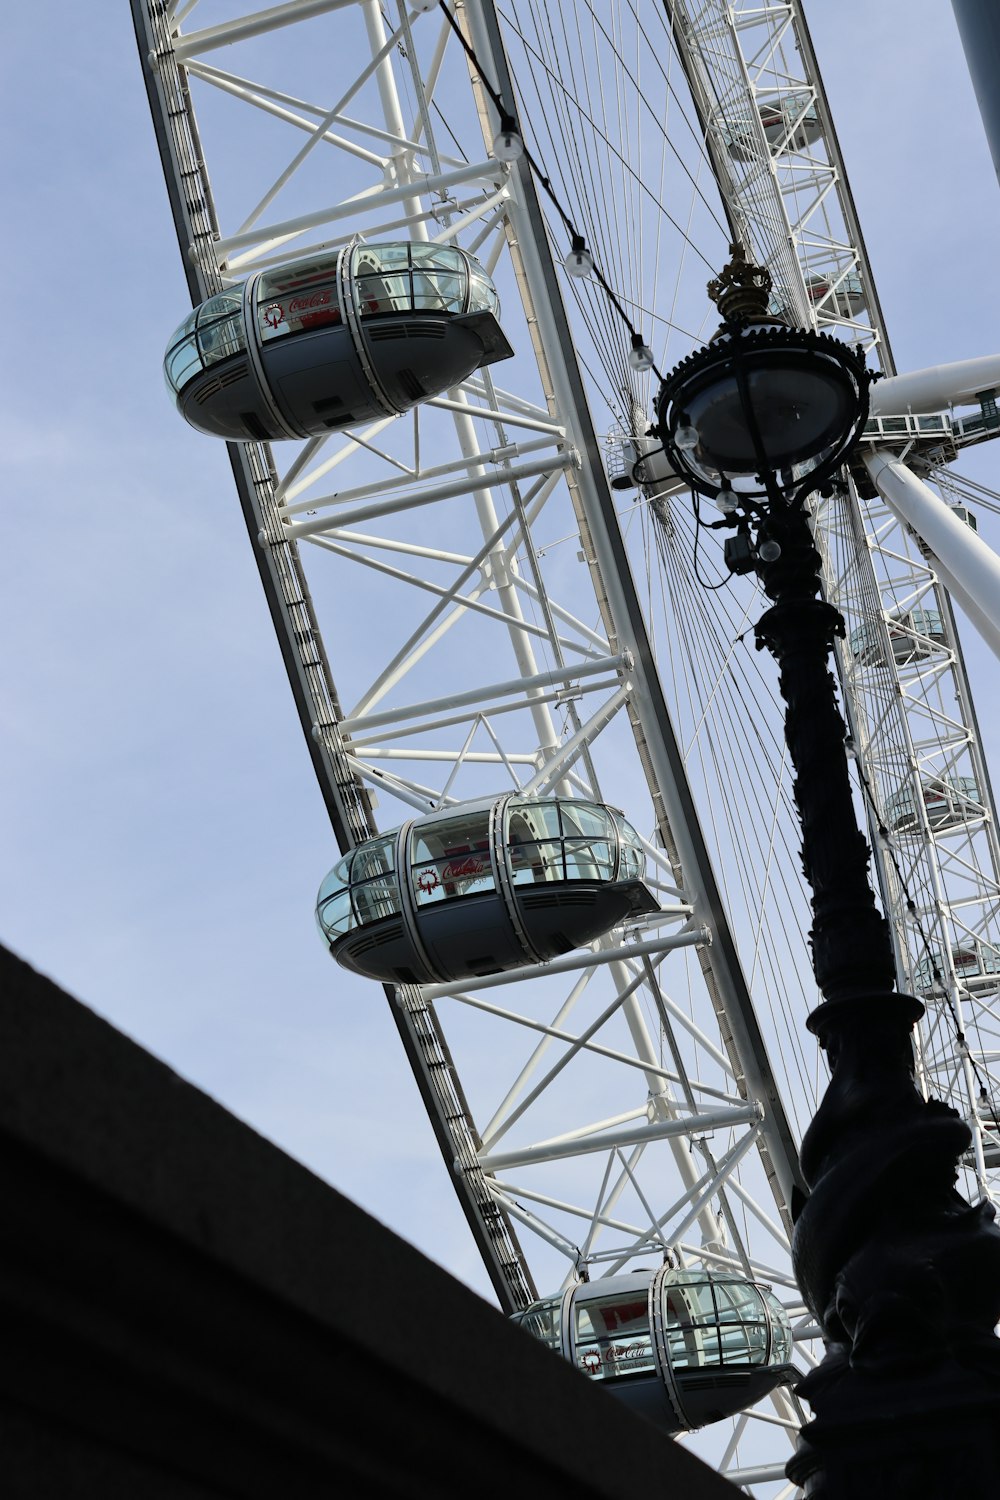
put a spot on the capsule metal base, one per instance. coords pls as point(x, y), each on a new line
point(476, 936)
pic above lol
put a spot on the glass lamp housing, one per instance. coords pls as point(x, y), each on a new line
point(762, 400)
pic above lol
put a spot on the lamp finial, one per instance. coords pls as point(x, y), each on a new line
point(741, 290)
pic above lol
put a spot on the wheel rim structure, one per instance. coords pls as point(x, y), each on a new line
point(507, 628)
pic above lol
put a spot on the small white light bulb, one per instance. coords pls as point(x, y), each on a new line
point(686, 437)
point(579, 261)
point(769, 551)
point(640, 356)
point(727, 501)
point(508, 145)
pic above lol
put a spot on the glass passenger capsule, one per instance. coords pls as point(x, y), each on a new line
point(482, 887)
point(681, 1348)
point(948, 802)
point(913, 637)
point(976, 965)
point(634, 461)
point(841, 295)
point(364, 332)
point(790, 123)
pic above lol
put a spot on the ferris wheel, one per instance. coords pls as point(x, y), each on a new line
point(437, 255)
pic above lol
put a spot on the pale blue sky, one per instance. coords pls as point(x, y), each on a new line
point(162, 834)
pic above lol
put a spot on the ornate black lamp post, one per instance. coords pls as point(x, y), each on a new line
point(901, 1273)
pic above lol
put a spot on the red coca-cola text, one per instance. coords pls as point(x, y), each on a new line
point(464, 869)
point(315, 299)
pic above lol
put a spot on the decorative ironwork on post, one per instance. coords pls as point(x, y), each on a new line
point(901, 1272)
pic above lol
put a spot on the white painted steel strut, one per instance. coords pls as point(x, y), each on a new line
point(970, 568)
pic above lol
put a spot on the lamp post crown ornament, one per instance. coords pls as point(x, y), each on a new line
point(741, 290)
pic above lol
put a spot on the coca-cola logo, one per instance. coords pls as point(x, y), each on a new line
point(314, 299)
point(464, 869)
point(591, 1360)
point(623, 1353)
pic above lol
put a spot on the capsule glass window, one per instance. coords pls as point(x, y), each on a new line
point(182, 364)
point(716, 1322)
point(793, 109)
point(379, 293)
point(482, 293)
point(184, 358)
point(333, 904)
point(435, 291)
point(220, 327)
point(440, 279)
point(613, 1337)
point(384, 258)
point(966, 962)
point(692, 1336)
point(631, 855)
point(534, 843)
point(928, 622)
point(374, 887)
point(742, 1324)
point(590, 841)
point(297, 298)
point(438, 258)
point(543, 1320)
point(381, 280)
point(452, 858)
point(781, 1333)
